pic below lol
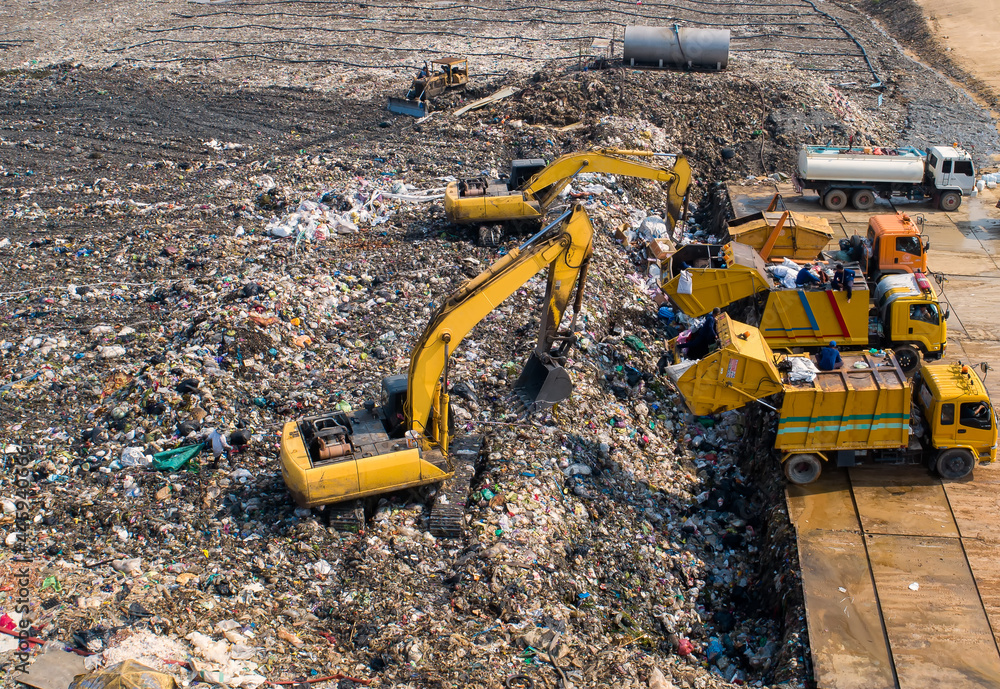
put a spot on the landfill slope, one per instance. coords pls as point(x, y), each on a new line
point(198, 247)
point(151, 301)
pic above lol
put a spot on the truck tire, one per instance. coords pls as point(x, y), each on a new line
point(835, 200)
point(803, 469)
point(955, 463)
point(863, 199)
point(908, 357)
point(950, 201)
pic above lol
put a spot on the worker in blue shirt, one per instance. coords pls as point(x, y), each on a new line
point(829, 358)
point(843, 278)
point(806, 277)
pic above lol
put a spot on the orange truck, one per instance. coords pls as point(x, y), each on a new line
point(894, 244)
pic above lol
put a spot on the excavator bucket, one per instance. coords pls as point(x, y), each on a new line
point(541, 385)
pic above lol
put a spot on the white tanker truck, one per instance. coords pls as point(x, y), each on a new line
point(943, 173)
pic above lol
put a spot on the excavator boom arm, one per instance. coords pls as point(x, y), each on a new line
point(564, 247)
point(546, 186)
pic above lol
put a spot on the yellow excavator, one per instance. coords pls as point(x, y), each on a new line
point(405, 442)
point(524, 197)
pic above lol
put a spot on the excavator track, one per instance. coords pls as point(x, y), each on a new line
point(347, 516)
point(448, 510)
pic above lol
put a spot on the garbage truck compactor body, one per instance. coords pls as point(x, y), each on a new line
point(903, 314)
point(533, 186)
point(866, 411)
point(405, 442)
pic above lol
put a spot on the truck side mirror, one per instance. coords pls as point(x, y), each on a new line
point(927, 245)
point(947, 312)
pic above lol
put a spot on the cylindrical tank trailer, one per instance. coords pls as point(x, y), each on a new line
point(676, 46)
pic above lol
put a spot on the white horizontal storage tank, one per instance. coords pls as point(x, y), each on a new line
point(676, 46)
point(860, 167)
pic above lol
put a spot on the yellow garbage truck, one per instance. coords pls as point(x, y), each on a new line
point(866, 411)
point(900, 312)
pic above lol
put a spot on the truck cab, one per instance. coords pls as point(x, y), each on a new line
point(951, 172)
point(957, 411)
point(911, 318)
point(896, 245)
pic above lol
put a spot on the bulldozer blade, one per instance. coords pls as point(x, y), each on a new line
point(541, 385)
point(413, 108)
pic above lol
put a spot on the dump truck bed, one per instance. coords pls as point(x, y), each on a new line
point(849, 408)
point(741, 370)
point(720, 275)
point(808, 316)
point(813, 316)
point(800, 237)
point(865, 404)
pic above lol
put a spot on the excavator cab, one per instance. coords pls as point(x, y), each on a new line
point(522, 170)
point(393, 401)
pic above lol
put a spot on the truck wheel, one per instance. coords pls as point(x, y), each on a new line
point(803, 469)
point(950, 201)
point(908, 358)
point(835, 200)
point(955, 463)
point(863, 199)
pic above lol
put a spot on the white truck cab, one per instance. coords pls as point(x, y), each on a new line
point(951, 169)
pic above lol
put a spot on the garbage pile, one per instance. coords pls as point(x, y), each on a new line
point(589, 547)
point(152, 346)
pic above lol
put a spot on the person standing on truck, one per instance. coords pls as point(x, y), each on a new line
point(829, 358)
point(843, 278)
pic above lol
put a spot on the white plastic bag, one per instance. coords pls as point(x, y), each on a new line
point(686, 284)
point(803, 369)
point(133, 457)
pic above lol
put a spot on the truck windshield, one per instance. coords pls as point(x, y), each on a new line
point(976, 415)
point(964, 167)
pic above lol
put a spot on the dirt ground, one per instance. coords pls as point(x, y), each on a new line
point(970, 31)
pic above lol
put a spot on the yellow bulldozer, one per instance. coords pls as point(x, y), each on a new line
point(405, 441)
point(430, 82)
point(523, 198)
